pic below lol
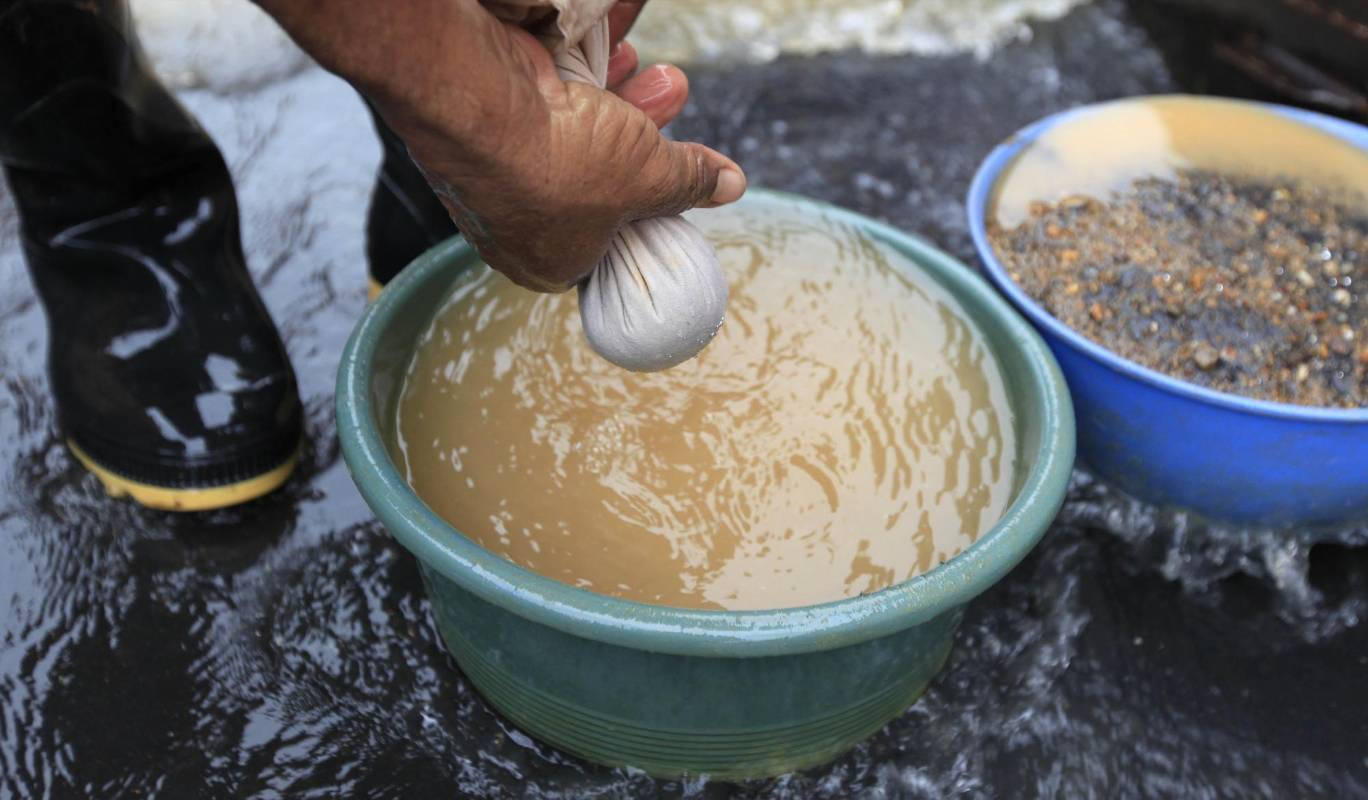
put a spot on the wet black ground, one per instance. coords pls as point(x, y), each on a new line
point(284, 648)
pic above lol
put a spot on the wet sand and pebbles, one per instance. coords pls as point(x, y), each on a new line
point(1241, 285)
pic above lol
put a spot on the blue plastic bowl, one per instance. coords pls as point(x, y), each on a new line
point(1173, 443)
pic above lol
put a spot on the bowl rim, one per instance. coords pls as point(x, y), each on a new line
point(696, 632)
point(980, 195)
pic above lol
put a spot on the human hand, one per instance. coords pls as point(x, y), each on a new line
point(537, 172)
point(560, 166)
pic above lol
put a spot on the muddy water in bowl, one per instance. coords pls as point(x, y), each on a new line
point(1107, 148)
point(845, 431)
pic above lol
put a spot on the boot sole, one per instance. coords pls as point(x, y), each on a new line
point(167, 498)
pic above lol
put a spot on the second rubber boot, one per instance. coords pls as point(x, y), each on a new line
point(405, 217)
point(170, 381)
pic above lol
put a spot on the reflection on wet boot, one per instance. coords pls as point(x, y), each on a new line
point(405, 217)
point(170, 380)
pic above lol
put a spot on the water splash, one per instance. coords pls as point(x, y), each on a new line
point(1199, 554)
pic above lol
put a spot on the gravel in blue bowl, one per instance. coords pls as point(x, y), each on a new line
point(1202, 433)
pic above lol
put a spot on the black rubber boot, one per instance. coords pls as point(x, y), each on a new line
point(406, 218)
point(170, 380)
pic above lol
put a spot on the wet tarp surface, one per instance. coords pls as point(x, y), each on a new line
point(284, 649)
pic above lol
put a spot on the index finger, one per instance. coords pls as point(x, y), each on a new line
point(621, 17)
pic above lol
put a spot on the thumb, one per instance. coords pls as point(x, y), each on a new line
point(684, 175)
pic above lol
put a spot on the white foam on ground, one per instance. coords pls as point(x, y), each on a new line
point(221, 45)
point(229, 45)
point(760, 30)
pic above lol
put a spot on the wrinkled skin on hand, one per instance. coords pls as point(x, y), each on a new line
point(538, 172)
point(542, 186)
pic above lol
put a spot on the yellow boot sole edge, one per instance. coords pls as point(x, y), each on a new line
point(168, 499)
point(373, 289)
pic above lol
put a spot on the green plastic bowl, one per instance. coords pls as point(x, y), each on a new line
point(680, 691)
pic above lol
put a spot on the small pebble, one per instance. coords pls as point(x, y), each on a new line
point(1206, 356)
point(1343, 343)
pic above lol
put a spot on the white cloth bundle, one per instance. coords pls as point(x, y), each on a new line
point(658, 296)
